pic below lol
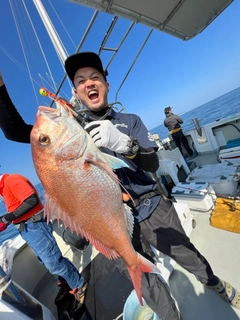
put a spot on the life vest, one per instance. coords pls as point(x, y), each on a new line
point(23, 187)
point(37, 209)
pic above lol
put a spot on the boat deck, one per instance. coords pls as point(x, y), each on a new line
point(220, 248)
point(108, 290)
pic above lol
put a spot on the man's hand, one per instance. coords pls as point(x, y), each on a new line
point(3, 225)
point(105, 134)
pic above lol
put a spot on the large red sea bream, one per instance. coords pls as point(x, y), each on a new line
point(82, 188)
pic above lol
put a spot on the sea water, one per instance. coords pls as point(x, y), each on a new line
point(222, 107)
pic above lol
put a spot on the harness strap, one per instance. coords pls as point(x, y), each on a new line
point(142, 198)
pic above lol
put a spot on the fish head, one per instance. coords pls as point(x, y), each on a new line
point(56, 137)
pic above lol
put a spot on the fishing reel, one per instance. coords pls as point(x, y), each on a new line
point(82, 118)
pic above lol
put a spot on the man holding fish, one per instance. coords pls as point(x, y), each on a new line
point(125, 138)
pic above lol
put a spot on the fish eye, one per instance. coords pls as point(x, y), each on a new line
point(44, 139)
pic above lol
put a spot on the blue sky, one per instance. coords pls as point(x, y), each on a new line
point(184, 74)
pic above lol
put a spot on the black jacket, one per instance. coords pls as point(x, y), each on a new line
point(172, 121)
point(11, 123)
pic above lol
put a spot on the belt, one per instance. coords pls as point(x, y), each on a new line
point(142, 198)
point(35, 218)
point(175, 130)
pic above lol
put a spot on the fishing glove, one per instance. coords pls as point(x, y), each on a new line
point(3, 224)
point(105, 134)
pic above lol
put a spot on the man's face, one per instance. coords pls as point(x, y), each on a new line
point(91, 88)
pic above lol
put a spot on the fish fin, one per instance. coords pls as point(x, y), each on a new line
point(130, 219)
point(102, 165)
point(52, 212)
point(107, 252)
point(48, 205)
point(114, 162)
point(143, 265)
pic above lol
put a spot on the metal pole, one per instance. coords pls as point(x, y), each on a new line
point(51, 31)
point(78, 49)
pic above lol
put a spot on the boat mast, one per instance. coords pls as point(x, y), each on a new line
point(61, 51)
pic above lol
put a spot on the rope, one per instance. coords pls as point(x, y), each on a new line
point(28, 36)
point(22, 46)
point(40, 46)
point(62, 25)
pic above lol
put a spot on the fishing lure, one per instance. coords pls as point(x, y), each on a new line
point(45, 93)
point(81, 117)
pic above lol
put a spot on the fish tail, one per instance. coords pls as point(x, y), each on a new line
point(143, 265)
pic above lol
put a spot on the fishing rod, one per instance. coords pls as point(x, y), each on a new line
point(232, 204)
point(80, 116)
point(218, 195)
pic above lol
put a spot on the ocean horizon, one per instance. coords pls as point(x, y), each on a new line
point(222, 107)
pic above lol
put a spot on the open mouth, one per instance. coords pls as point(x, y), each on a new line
point(93, 94)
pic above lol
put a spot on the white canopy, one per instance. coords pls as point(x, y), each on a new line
point(180, 18)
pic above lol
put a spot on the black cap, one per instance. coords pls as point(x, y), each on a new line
point(167, 110)
point(82, 60)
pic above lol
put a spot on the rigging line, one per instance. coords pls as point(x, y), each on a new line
point(24, 54)
point(19, 65)
point(39, 43)
point(44, 82)
point(62, 24)
point(26, 31)
point(67, 96)
point(30, 39)
point(95, 14)
point(22, 22)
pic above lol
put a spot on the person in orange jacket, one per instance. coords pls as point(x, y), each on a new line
point(25, 209)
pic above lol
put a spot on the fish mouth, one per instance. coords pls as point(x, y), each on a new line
point(49, 110)
point(54, 113)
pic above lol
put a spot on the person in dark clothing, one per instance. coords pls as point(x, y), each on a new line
point(173, 123)
point(156, 220)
